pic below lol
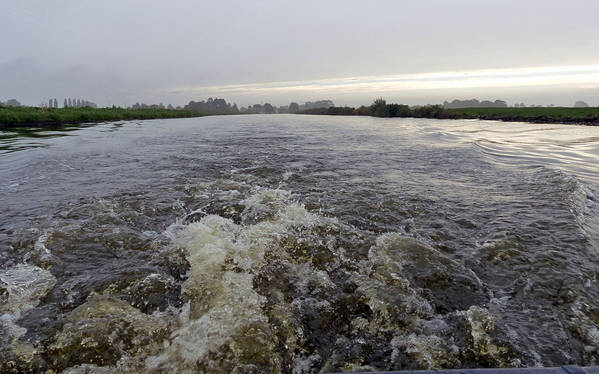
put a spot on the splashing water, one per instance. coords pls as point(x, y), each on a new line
point(397, 246)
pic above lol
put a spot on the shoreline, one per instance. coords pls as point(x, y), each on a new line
point(30, 117)
point(540, 115)
point(568, 121)
point(33, 117)
point(537, 115)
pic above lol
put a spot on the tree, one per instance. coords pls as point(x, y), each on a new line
point(399, 110)
point(293, 107)
point(268, 108)
point(363, 111)
point(379, 108)
point(257, 108)
point(317, 104)
point(474, 103)
point(581, 104)
point(12, 102)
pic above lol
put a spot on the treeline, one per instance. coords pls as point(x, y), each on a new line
point(72, 103)
point(10, 102)
point(221, 106)
point(209, 106)
point(474, 103)
point(139, 106)
point(212, 106)
point(380, 108)
point(293, 107)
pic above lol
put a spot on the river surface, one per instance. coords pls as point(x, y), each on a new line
point(297, 244)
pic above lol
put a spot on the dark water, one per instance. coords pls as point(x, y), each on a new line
point(298, 244)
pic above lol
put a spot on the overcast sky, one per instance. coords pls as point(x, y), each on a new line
point(350, 51)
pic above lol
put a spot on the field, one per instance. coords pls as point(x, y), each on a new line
point(33, 116)
point(544, 114)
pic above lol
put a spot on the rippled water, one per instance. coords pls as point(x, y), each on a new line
point(298, 244)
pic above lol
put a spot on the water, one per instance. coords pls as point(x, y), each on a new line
point(298, 244)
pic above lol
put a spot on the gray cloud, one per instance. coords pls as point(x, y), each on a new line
point(121, 51)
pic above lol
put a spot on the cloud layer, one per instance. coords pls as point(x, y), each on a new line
point(122, 51)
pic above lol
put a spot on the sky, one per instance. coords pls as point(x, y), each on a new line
point(350, 51)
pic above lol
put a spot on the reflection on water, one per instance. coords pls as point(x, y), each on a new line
point(22, 138)
point(298, 244)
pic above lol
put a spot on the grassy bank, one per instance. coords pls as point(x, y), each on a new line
point(32, 116)
point(588, 116)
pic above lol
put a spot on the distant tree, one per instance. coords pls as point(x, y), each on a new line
point(293, 107)
point(12, 102)
point(581, 104)
point(268, 108)
point(65, 104)
point(474, 103)
point(215, 105)
point(317, 104)
point(363, 111)
point(55, 103)
point(257, 108)
point(379, 108)
point(430, 111)
point(398, 110)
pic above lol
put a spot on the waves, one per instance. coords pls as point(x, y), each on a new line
point(206, 249)
point(282, 289)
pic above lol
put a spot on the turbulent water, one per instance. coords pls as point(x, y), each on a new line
point(298, 244)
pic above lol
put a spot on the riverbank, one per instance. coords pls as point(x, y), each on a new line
point(11, 117)
point(583, 116)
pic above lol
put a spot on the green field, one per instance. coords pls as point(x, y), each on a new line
point(380, 108)
point(33, 116)
point(544, 114)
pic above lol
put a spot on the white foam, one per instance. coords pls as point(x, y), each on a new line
point(224, 258)
point(26, 285)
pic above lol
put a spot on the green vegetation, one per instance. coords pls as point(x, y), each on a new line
point(33, 116)
point(532, 114)
point(380, 108)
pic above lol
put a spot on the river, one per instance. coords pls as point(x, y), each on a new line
point(297, 244)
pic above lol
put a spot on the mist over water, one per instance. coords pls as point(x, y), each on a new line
point(298, 244)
